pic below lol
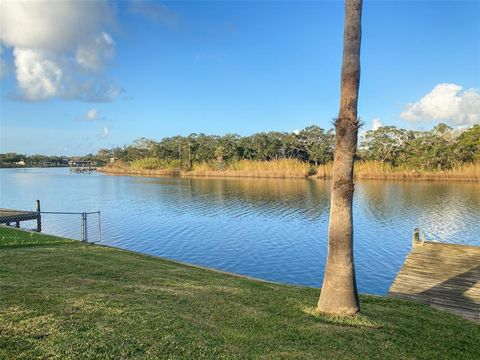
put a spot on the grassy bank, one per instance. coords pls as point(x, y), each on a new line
point(74, 300)
point(290, 168)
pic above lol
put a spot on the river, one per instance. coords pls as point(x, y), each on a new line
point(273, 229)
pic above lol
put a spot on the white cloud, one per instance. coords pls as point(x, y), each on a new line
point(59, 47)
point(93, 54)
point(376, 123)
point(38, 75)
point(91, 114)
point(50, 24)
point(448, 103)
point(105, 131)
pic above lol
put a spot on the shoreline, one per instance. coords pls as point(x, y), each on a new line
point(324, 175)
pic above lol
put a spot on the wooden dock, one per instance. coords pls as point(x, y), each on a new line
point(444, 276)
point(81, 166)
point(10, 216)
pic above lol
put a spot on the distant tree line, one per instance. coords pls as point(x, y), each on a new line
point(19, 160)
point(441, 148)
point(312, 144)
point(12, 159)
point(438, 149)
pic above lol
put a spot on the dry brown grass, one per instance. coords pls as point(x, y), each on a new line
point(378, 170)
point(284, 168)
point(292, 168)
point(325, 171)
point(121, 168)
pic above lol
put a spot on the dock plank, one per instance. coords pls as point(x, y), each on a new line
point(444, 276)
point(10, 215)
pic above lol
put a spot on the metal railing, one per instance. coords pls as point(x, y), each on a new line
point(83, 222)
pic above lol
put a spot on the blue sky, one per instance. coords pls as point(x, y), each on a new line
point(103, 74)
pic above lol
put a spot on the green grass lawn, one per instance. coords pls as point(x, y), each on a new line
point(73, 300)
point(10, 236)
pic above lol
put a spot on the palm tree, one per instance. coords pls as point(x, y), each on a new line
point(339, 291)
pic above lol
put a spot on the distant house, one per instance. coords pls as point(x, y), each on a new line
point(112, 160)
point(20, 163)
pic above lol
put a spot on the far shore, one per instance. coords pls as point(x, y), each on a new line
point(364, 171)
point(3, 166)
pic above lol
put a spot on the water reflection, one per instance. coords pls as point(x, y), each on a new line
point(441, 209)
point(274, 229)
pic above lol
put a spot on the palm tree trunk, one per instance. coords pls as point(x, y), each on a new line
point(339, 291)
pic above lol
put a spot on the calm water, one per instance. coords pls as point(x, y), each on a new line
point(266, 228)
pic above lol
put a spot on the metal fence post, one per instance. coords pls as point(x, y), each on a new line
point(99, 228)
point(39, 217)
point(84, 227)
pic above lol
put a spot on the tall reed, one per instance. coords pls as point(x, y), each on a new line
point(291, 168)
point(379, 170)
point(282, 168)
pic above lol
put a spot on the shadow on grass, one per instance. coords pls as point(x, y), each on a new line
point(357, 321)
